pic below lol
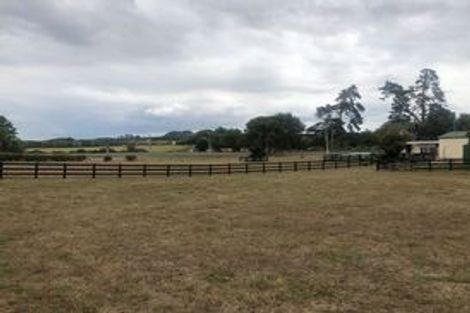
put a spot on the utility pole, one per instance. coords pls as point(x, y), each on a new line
point(327, 146)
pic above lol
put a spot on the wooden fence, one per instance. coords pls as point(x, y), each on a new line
point(93, 170)
point(448, 165)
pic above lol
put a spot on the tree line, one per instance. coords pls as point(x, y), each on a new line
point(418, 112)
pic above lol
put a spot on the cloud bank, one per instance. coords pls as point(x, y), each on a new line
point(107, 67)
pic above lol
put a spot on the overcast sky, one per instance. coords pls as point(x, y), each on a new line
point(108, 67)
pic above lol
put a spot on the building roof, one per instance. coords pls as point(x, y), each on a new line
point(455, 135)
point(423, 143)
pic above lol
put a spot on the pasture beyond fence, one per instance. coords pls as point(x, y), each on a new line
point(448, 165)
point(94, 170)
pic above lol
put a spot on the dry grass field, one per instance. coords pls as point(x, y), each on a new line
point(335, 241)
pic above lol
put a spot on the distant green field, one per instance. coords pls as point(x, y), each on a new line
point(167, 153)
point(166, 148)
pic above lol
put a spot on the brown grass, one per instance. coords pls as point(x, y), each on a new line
point(333, 241)
point(203, 157)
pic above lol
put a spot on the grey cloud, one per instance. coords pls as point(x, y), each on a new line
point(51, 18)
point(224, 59)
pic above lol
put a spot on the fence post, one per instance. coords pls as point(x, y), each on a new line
point(119, 170)
point(451, 167)
point(309, 165)
point(246, 168)
point(280, 167)
point(210, 169)
point(349, 161)
point(93, 171)
point(336, 164)
point(168, 169)
point(144, 170)
point(323, 165)
point(1, 169)
point(295, 166)
point(264, 168)
point(377, 166)
point(64, 171)
point(36, 170)
point(430, 165)
point(229, 168)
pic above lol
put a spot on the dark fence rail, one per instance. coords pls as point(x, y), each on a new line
point(94, 170)
point(448, 165)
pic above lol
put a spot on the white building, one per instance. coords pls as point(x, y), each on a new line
point(424, 147)
point(451, 145)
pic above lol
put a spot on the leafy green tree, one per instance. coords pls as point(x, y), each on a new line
point(439, 121)
point(223, 138)
point(463, 122)
point(401, 101)
point(330, 126)
point(427, 94)
point(363, 140)
point(179, 136)
point(349, 108)
point(201, 145)
point(9, 141)
point(220, 138)
point(344, 116)
point(202, 135)
point(392, 138)
point(268, 134)
point(423, 104)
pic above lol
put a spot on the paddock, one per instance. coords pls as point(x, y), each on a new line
point(345, 240)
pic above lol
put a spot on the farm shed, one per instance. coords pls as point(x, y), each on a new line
point(428, 148)
point(451, 145)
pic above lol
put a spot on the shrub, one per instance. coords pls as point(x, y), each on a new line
point(131, 157)
point(258, 154)
point(131, 147)
point(201, 145)
point(392, 139)
point(107, 158)
point(43, 157)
